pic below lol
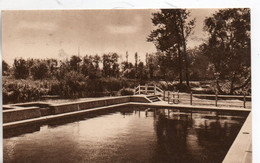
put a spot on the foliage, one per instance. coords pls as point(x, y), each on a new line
point(200, 65)
point(110, 65)
point(126, 91)
point(39, 70)
point(90, 67)
point(74, 62)
point(21, 69)
point(170, 36)
point(5, 68)
point(228, 47)
point(73, 85)
point(23, 90)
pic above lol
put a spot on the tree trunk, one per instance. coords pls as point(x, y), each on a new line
point(232, 84)
point(180, 64)
point(185, 53)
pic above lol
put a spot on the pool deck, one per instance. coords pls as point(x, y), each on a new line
point(241, 149)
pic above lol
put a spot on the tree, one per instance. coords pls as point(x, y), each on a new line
point(115, 65)
point(152, 64)
point(52, 65)
point(136, 64)
point(21, 69)
point(141, 73)
point(5, 68)
point(96, 61)
point(110, 65)
point(74, 62)
point(200, 65)
point(39, 70)
point(171, 35)
point(228, 47)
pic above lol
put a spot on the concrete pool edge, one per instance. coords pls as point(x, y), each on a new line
point(241, 149)
point(24, 111)
point(58, 116)
point(83, 111)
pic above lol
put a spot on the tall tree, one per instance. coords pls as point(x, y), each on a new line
point(87, 67)
point(74, 62)
point(136, 63)
point(110, 65)
point(21, 68)
point(228, 47)
point(170, 35)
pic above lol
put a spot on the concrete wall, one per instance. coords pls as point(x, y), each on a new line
point(33, 110)
point(69, 107)
point(20, 114)
point(141, 99)
point(64, 108)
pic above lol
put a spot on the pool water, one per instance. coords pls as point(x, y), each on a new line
point(127, 134)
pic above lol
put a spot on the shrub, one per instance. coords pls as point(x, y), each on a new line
point(73, 85)
point(126, 91)
point(23, 90)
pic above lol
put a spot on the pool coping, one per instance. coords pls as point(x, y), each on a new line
point(241, 149)
point(183, 106)
point(57, 116)
point(78, 112)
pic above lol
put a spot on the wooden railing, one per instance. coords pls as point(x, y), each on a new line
point(148, 89)
point(208, 99)
point(195, 99)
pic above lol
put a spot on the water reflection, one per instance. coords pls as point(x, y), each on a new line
point(181, 139)
point(21, 130)
point(126, 134)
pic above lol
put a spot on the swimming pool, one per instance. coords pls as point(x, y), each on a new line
point(127, 134)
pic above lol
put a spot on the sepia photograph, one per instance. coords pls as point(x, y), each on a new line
point(127, 85)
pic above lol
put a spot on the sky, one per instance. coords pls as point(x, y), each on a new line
point(62, 33)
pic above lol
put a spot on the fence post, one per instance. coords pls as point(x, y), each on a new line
point(134, 90)
point(173, 97)
point(191, 98)
point(216, 99)
point(178, 96)
point(146, 89)
point(244, 100)
point(154, 87)
point(139, 89)
point(168, 97)
point(163, 95)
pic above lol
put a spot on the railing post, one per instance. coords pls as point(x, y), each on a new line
point(154, 87)
point(244, 100)
point(146, 89)
point(178, 96)
point(173, 97)
point(163, 95)
point(134, 90)
point(139, 89)
point(168, 97)
point(216, 99)
point(191, 98)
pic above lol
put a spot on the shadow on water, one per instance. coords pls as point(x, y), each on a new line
point(21, 130)
point(171, 132)
point(176, 140)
